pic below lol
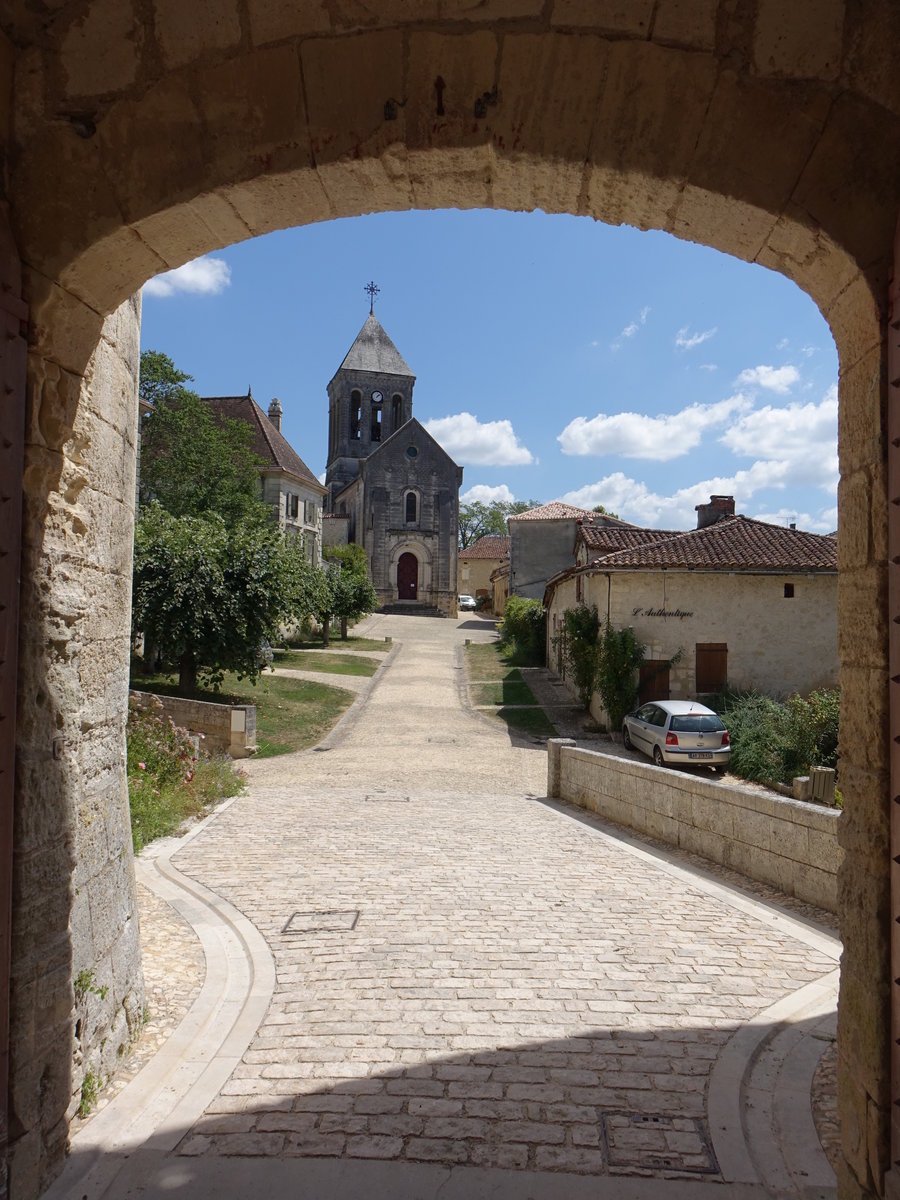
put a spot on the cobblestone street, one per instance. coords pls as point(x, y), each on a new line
point(469, 975)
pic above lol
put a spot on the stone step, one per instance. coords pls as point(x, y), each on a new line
point(411, 608)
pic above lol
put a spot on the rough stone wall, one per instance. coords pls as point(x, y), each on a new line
point(864, 888)
point(74, 907)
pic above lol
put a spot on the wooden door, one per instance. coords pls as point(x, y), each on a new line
point(408, 577)
point(654, 681)
point(712, 667)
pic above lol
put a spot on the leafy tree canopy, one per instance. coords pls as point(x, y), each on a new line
point(207, 595)
point(193, 462)
point(607, 512)
point(479, 519)
point(352, 557)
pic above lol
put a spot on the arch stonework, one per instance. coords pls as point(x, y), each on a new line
point(138, 136)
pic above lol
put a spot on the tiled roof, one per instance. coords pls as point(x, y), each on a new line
point(734, 543)
point(609, 538)
point(374, 351)
point(554, 511)
point(489, 546)
point(268, 443)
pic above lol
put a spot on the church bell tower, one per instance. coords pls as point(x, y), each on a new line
point(369, 399)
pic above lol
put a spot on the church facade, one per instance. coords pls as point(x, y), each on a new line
point(396, 487)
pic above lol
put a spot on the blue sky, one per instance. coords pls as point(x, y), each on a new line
point(555, 357)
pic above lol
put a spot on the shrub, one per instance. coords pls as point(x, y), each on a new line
point(168, 779)
point(621, 654)
point(523, 626)
point(583, 649)
point(774, 740)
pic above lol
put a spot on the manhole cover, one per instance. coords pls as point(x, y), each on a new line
point(329, 921)
point(653, 1140)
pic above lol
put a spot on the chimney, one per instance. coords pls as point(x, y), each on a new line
point(718, 507)
point(274, 415)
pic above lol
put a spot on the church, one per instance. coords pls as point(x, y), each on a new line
point(391, 488)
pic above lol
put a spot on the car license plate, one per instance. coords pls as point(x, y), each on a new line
point(704, 754)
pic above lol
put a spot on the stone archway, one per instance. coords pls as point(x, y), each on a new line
point(133, 144)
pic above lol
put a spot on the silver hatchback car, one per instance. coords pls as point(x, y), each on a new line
point(678, 732)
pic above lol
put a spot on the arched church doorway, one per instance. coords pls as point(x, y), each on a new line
point(407, 576)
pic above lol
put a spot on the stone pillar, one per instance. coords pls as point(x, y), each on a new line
point(863, 881)
point(74, 906)
point(554, 764)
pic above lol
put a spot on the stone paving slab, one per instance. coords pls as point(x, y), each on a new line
point(466, 976)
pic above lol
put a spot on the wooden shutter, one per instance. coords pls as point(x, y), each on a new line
point(712, 666)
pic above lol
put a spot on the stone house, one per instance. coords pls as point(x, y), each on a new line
point(541, 542)
point(288, 485)
point(500, 588)
point(397, 488)
point(478, 561)
point(741, 602)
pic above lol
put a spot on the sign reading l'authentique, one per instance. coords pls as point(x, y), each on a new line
point(677, 614)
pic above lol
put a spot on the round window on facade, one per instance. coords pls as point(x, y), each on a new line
point(411, 451)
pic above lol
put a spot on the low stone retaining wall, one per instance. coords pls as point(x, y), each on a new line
point(791, 845)
point(226, 728)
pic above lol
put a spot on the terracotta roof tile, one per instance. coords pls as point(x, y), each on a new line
point(268, 443)
point(489, 546)
point(609, 538)
point(734, 543)
point(556, 510)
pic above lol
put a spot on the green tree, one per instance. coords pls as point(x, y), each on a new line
point(479, 519)
point(352, 593)
point(192, 461)
point(606, 512)
point(208, 595)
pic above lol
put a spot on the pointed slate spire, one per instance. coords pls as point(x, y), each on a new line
point(374, 351)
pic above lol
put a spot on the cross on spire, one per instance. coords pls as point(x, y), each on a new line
point(373, 289)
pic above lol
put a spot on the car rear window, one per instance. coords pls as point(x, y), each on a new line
point(698, 723)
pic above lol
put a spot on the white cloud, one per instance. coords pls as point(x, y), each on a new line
point(466, 439)
point(482, 493)
point(823, 522)
point(630, 329)
point(803, 434)
point(204, 276)
point(775, 379)
point(634, 501)
point(687, 341)
point(321, 478)
point(708, 367)
point(634, 435)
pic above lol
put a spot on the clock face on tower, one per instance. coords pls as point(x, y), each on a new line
point(377, 397)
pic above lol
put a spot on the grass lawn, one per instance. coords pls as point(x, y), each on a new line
point(291, 714)
point(335, 644)
point(324, 660)
point(528, 720)
point(494, 663)
point(501, 691)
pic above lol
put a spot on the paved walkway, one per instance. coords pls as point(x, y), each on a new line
point(422, 977)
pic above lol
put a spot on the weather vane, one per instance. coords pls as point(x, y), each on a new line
point(373, 289)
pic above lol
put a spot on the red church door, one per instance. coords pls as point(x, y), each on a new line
point(408, 577)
